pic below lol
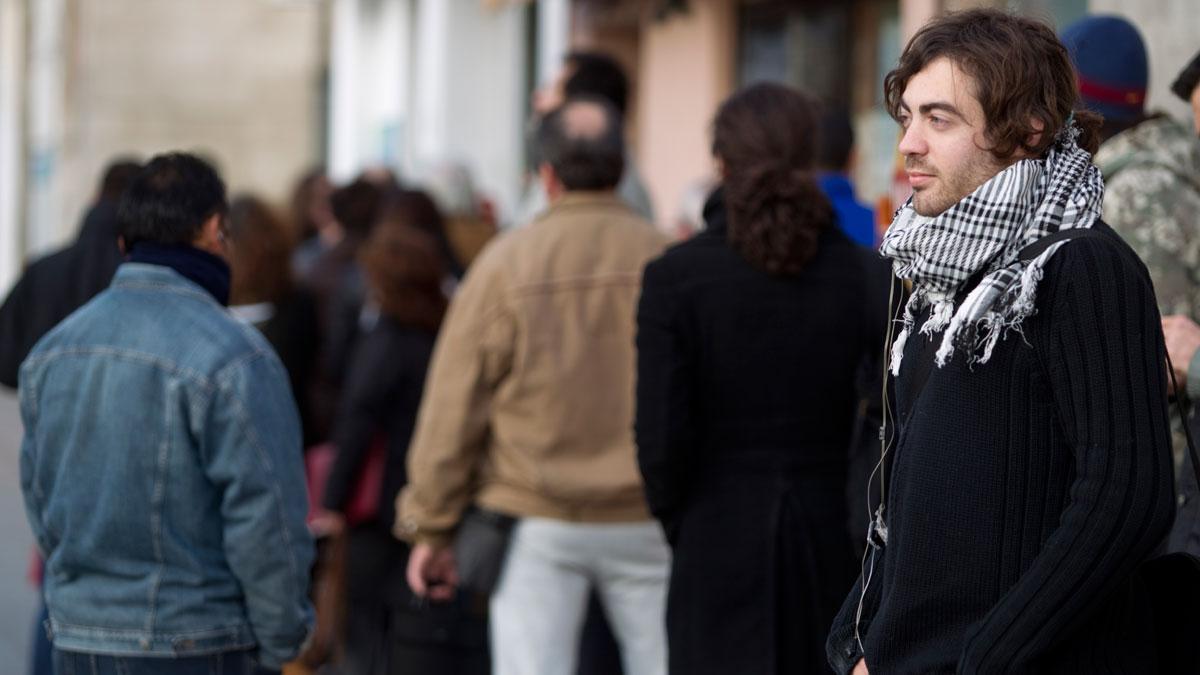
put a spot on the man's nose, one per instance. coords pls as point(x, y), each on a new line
point(912, 142)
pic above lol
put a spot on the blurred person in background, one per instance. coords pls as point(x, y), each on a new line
point(1150, 162)
point(339, 288)
point(161, 464)
point(386, 631)
point(383, 177)
point(351, 310)
point(1183, 343)
point(263, 294)
point(58, 284)
point(470, 221)
point(1151, 167)
point(585, 73)
point(528, 412)
point(835, 160)
point(750, 337)
point(418, 209)
point(49, 291)
point(313, 224)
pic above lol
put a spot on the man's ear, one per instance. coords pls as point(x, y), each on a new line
point(550, 182)
point(1034, 139)
point(121, 245)
point(211, 237)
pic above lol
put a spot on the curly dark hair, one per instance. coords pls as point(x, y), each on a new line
point(1023, 77)
point(765, 137)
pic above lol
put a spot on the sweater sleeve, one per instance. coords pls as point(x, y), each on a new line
point(842, 648)
point(1103, 351)
point(664, 426)
point(473, 354)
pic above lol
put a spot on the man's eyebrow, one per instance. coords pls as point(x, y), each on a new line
point(926, 108)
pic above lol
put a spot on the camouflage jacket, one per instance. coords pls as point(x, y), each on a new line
point(1152, 198)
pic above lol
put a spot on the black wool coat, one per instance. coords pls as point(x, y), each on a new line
point(746, 400)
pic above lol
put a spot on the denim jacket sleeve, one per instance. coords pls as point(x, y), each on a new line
point(252, 452)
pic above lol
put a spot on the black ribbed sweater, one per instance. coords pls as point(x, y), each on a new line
point(1025, 491)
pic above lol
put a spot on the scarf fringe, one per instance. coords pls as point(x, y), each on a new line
point(898, 351)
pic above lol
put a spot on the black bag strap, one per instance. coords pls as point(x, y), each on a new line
point(1032, 251)
point(1183, 420)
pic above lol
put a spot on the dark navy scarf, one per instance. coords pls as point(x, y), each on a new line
point(201, 267)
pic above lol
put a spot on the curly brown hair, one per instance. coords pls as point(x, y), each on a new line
point(405, 273)
point(765, 138)
point(1022, 73)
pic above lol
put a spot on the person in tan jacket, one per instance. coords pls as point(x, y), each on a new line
point(528, 411)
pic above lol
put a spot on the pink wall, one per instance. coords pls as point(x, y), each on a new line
point(685, 70)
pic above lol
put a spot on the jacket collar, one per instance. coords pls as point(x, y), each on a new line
point(576, 198)
point(141, 275)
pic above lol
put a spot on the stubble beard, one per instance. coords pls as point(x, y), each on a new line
point(945, 191)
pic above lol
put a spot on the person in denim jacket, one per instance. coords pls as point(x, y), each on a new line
point(161, 465)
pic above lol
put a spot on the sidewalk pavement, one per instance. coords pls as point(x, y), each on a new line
point(18, 601)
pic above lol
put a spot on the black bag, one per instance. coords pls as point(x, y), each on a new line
point(1173, 581)
point(480, 547)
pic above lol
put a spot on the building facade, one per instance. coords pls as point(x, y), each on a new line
point(269, 88)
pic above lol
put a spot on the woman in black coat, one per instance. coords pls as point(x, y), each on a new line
point(749, 339)
point(387, 629)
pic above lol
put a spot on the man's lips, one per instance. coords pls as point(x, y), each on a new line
point(918, 179)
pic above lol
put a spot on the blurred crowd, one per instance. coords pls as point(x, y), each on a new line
point(559, 448)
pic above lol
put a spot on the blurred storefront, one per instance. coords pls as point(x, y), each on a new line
point(268, 88)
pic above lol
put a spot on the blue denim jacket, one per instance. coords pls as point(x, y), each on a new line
point(163, 477)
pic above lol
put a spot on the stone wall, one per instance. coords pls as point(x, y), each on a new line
point(236, 80)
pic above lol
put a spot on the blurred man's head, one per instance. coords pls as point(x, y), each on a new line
point(1187, 87)
point(581, 147)
point(117, 176)
point(176, 198)
point(835, 144)
point(1112, 70)
point(976, 91)
point(585, 74)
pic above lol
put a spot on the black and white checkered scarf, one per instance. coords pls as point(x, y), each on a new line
point(985, 231)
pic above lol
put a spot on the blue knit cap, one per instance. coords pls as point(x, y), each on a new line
point(1110, 63)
